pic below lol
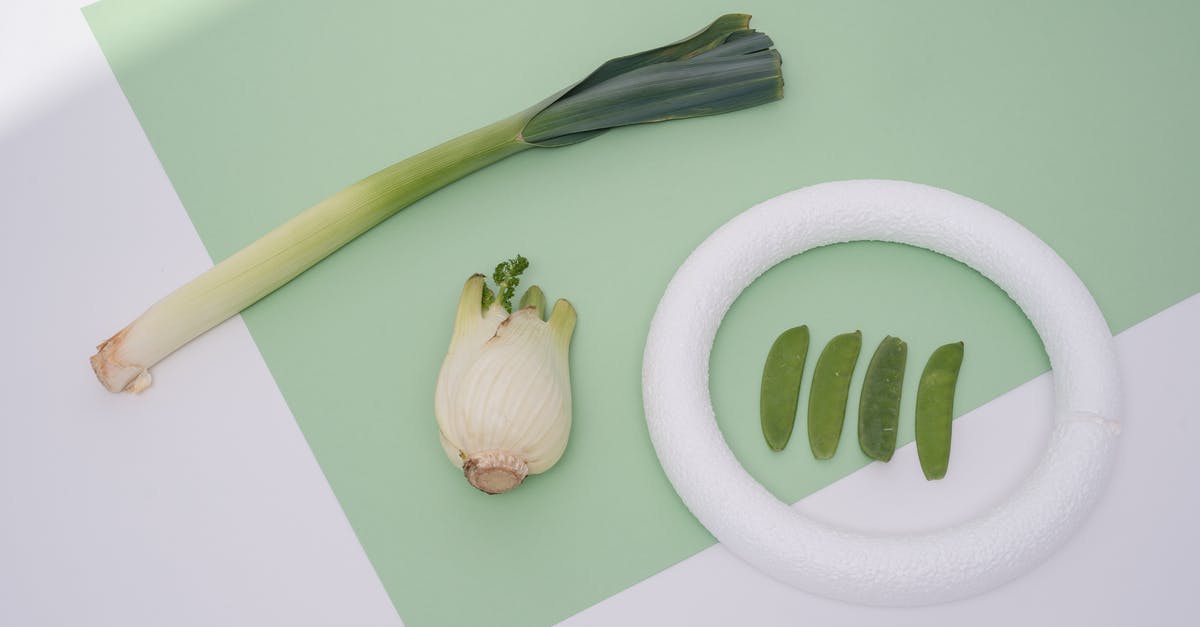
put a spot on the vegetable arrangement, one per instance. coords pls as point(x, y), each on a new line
point(879, 401)
point(725, 67)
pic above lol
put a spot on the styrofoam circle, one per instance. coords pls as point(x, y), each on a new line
point(898, 569)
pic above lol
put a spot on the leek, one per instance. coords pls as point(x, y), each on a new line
point(725, 67)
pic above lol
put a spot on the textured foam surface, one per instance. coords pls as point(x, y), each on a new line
point(910, 569)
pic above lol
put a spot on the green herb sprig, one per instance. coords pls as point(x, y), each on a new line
point(507, 277)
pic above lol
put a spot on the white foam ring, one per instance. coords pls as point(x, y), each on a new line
point(905, 569)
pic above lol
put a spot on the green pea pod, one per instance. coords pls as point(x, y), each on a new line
point(879, 404)
point(781, 386)
point(830, 391)
point(935, 409)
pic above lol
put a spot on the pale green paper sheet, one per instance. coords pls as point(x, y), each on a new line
point(1076, 118)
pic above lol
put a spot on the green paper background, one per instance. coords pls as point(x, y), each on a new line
point(1076, 118)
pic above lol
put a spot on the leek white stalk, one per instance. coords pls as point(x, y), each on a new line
point(503, 399)
point(123, 361)
point(724, 67)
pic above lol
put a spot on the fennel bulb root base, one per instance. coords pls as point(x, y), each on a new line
point(495, 472)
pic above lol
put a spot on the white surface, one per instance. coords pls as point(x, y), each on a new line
point(895, 569)
point(1132, 562)
point(180, 509)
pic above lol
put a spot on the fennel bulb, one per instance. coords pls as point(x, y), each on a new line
point(503, 399)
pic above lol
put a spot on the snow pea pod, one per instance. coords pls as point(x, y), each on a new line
point(935, 409)
point(830, 391)
point(781, 386)
point(879, 404)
